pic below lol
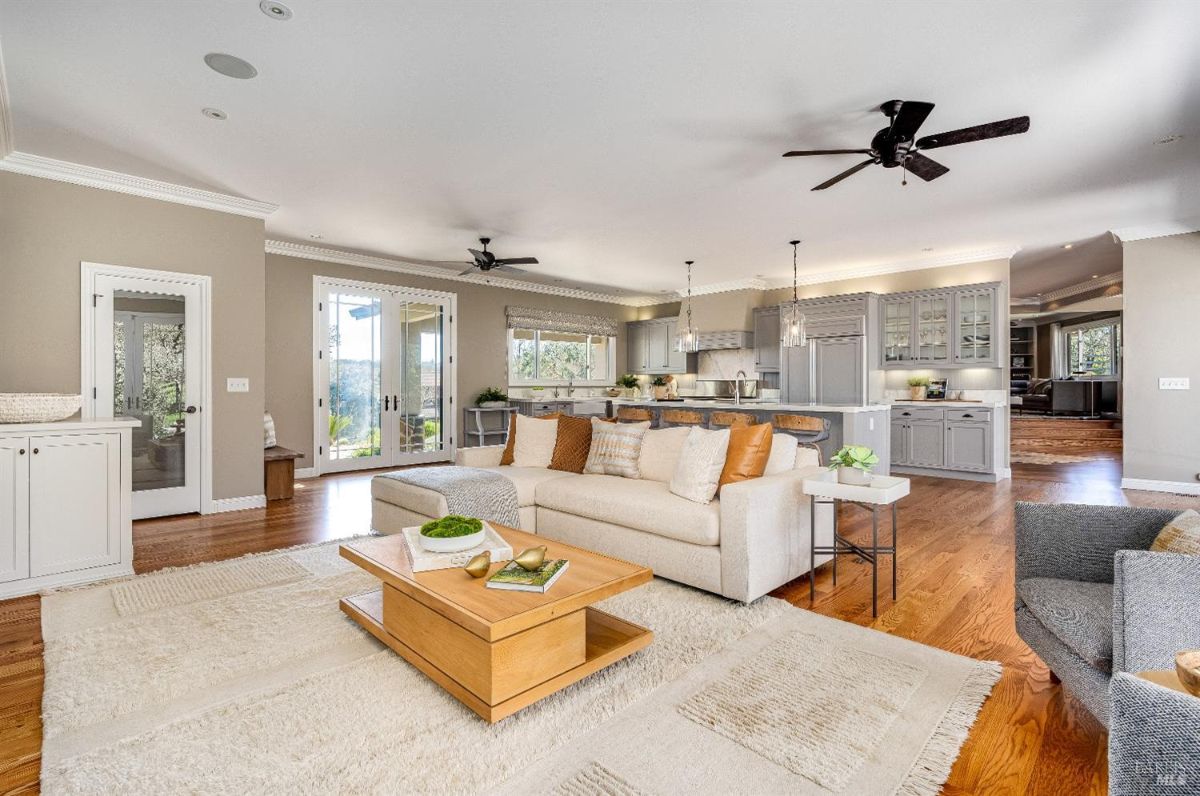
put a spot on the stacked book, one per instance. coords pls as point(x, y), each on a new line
point(513, 577)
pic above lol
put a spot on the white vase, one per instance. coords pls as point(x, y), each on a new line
point(852, 476)
point(493, 404)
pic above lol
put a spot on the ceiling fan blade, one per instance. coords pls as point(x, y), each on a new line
point(508, 269)
point(925, 168)
point(518, 261)
point(474, 269)
point(979, 132)
point(909, 118)
point(844, 175)
point(802, 152)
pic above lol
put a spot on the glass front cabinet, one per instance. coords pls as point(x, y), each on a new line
point(974, 312)
point(897, 315)
point(939, 328)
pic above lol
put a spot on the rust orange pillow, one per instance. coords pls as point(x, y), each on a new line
point(749, 449)
point(572, 444)
point(507, 457)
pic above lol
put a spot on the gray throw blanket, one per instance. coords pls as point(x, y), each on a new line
point(469, 491)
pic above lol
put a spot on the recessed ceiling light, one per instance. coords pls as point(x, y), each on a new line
point(215, 113)
point(230, 66)
point(1169, 139)
point(1095, 276)
point(1068, 245)
point(316, 237)
point(275, 10)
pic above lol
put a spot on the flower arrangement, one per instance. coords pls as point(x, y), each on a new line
point(853, 464)
point(916, 387)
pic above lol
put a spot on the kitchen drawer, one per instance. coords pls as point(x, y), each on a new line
point(917, 413)
point(969, 415)
point(836, 326)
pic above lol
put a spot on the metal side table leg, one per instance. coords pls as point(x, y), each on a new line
point(895, 552)
point(812, 550)
point(874, 561)
point(836, 546)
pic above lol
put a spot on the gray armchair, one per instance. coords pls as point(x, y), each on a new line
point(1153, 740)
point(1091, 600)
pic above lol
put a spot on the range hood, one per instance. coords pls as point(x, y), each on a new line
point(723, 341)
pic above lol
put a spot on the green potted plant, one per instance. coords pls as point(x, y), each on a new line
point(659, 383)
point(628, 384)
point(491, 398)
point(916, 387)
point(451, 534)
point(853, 464)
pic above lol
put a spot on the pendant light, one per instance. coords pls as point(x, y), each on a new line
point(688, 338)
point(792, 333)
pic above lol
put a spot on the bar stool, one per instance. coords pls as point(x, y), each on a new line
point(804, 428)
point(671, 418)
point(731, 419)
point(633, 414)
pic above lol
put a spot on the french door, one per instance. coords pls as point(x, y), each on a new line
point(384, 376)
point(147, 343)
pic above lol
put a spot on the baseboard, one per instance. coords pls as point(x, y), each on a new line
point(1147, 485)
point(1006, 474)
point(305, 472)
point(238, 504)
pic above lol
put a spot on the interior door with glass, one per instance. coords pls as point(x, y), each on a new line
point(148, 367)
point(419, 396)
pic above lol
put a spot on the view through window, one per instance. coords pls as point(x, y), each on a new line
point(542, 357)
point(1093, 350)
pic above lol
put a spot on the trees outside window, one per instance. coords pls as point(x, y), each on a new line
point(544, 357)
point(1094, 350)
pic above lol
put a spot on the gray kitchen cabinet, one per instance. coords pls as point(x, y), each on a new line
point(638, 348)
point(899, 444)
point(796, 378)
point(943, 328)
point(896, 313)
point(766, 340)
point(926, 443)
point(839, 370)
point(969, 446)
point(659, 338)
point(974, 327)
point(651, 348)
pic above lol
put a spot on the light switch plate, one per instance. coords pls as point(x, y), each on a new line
point(237, 385)
point(1174, 384)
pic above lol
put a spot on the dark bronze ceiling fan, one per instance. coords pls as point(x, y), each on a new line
point(487, 261)
point(894, 145)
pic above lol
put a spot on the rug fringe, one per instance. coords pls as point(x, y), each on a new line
point(931, 769)
point(184, 567)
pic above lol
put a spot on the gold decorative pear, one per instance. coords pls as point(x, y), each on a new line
point(532, 558)
point(478, 566)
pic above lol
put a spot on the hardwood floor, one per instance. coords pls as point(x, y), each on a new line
point(956, 593)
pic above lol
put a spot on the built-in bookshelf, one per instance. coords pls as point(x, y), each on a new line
point(1022, 357)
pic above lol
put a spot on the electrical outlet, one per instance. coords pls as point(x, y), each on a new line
point(1174, 384)
point(237, 385)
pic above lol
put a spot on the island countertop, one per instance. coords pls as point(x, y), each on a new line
point(753, 406)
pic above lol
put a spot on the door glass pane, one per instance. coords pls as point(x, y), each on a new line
point(149, 384)
point(355, 366)
point(421, 378)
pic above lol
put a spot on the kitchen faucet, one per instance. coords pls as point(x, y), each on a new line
point(738, 381)
point(570, 387)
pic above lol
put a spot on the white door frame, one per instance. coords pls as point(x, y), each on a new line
point(321, 284)
point(88, 377)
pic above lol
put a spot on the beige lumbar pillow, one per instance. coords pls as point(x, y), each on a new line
point(700, 463)
point(534, 446)
point(616, 448)
point(783, 454)
point(1181, 535)
point(661, 448)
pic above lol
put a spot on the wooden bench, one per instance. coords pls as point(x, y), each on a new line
point(279, 472)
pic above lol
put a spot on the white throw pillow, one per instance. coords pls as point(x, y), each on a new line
point(616, 448)
point(807, 456)
point(700, 463)
point(534, 446)
point(661, 448)
point(783, 454)
point(268, 431)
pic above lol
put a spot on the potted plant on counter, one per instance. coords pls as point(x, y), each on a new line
point(662, 387)
point(853, 464)
point(916, 387)
point(491, 398)
point(628, 385)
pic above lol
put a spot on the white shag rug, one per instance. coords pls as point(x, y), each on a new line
point(245, 677)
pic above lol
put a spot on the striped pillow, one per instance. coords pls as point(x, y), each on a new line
point(1181, 535)
point(616, 448)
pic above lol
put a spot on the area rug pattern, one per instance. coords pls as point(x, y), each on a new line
point(140, 595)
point(271, 689)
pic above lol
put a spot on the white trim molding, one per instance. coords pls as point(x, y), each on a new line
point(958, 258)
point(1148, 485)
point(732, 286)
point(422, 268)
point(1107, 280)
point(92, 177)
point(221, 505)
point(1160, 230)
point(305, 473)
point(6, 125)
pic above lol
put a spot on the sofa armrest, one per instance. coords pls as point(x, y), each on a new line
point(484, 456)
point(1153, 740)
point(1154, 609)
point(1077, 542)
point(765, 533)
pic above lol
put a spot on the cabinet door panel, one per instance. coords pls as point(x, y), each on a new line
point(659, 337)
point(676, 360)
point(969, 446)
point(975, 331)
point(74, 502)
point(897, 330)
point(637, 349)
point(797, 374)
point(839, 370)
point(766, 341)
point(14, 508)
point(926, 443)
point(899, 442)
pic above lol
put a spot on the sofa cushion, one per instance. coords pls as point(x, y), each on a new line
point(1078, 613)
point(572, 444)
point(1181, 535)
point(526, 480)
point(749, 449)
point(635, 503)
point(616, 448)
point(414, 498)
point(535, 441)
point(660, 453)
point(699, 470)
point(783, 454)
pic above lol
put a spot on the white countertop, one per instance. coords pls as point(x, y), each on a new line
point(753, 406)
point(955, 404)
point(71, 424)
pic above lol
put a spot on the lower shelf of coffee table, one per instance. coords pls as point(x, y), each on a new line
point(609, 639)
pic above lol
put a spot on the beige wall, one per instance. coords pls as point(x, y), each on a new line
point(47, 228)
point(481, 327)
point(1161, 328)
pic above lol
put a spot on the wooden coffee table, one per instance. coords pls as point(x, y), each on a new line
point(497, 651)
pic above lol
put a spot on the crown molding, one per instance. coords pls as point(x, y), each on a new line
point(92, 177)
point(732, 286)
point(419, 268)
point(6, 128)
point(1160, 230)
point(882, 269)
point(1079, 288)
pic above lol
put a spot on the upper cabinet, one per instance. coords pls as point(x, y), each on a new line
point(939, 328)
point(651, 348)
point(766, 340)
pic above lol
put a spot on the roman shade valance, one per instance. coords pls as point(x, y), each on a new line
point(557, 321)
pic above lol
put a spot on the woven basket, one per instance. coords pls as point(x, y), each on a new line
point(35, 407)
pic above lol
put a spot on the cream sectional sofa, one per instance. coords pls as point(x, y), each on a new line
point(753, 538)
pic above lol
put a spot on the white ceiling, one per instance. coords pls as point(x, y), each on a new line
point(615, 140)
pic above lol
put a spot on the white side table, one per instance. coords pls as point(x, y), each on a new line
point(883, 491)
point(477, 431)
